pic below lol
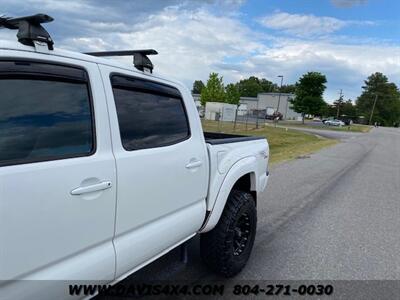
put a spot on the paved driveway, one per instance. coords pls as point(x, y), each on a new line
point(335, 215)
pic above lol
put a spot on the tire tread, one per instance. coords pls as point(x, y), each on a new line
point(216, 245)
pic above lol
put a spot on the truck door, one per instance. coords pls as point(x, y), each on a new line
point(162, 167)
point(57, 172)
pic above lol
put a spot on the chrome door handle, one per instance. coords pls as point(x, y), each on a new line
point(194, 164)
point(92, 188)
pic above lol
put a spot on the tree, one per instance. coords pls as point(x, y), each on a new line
point(308, 96)
point(249, 87)
point(214, 90)
point(288, 88)
point(268, 86)
point(252, 86)
point(198, 85)
point(338, 104)
point(348, 109)
point(232, 94)
point(387, 107)
point(326, 110)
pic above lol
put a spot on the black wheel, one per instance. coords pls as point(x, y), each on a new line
point(226, 249)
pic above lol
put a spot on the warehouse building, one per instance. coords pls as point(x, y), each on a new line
point(265, 101)
point(262, 103)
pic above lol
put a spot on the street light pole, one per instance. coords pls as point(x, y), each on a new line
point(338, 107)
point(280, 89)
point(373, 108)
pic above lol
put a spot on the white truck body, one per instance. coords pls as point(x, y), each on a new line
point(101, 217)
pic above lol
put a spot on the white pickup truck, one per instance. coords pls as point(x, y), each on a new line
point(104, 168)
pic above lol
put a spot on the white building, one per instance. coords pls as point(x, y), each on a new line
point(242, 109)
point(262, 102)
point(220, 111)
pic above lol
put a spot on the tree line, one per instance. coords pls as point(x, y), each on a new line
point(214, 90)
point(379, 101)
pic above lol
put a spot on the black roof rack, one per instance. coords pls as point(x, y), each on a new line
point(140, 57)
point(30, 30)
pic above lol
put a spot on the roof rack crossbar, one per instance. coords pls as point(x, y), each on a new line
point(140, 57)
point(30, 30)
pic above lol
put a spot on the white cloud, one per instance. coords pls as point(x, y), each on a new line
point(306, 25)
point(302, 25)
point(346, 66)
point(194, 41)
point(190, 43)
point(69, 6)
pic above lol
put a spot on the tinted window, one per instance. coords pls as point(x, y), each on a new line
point(43, 119)
point(148, 119)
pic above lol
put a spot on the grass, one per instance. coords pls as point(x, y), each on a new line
point(284, 144)
point(351, 128)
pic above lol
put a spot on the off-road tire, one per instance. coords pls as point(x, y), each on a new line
point(218, 246)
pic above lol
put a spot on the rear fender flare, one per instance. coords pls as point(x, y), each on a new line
point(239, 169)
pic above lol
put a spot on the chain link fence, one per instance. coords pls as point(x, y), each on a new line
point(233, 120)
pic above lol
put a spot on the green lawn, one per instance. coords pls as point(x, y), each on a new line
point(351, 128)
point(284, 144)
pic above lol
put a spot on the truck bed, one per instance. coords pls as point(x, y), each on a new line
point(231, 154)
point(215, 138)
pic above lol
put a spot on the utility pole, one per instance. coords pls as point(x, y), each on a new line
point(236, 114)
point(280, 89)
point(373, 108)
point(338, 107)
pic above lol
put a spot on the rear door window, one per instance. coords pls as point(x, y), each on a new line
point(150, 114)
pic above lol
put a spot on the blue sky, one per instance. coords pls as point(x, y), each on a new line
point(346, 40)
point(381, 15)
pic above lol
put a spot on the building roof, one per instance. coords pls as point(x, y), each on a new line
point(277, 94)
point(249, 98)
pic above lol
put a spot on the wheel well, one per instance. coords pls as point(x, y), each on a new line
point(244, 184)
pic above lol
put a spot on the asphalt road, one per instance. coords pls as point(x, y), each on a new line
point(331, 134)
point(333, 216)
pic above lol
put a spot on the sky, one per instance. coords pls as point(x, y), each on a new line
point(346, 40)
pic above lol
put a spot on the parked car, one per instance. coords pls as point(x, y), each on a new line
point(104, 168)
point(269, 113)
point(346, 121)
point(274, 116)
point(334, 123)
